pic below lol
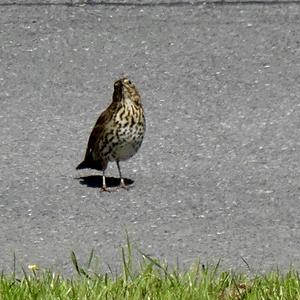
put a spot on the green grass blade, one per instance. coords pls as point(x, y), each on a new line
point(75, 262)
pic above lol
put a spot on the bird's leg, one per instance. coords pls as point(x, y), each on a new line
point(104, 187)
point(122, 182)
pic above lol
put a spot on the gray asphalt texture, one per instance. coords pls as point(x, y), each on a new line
point(217, 176)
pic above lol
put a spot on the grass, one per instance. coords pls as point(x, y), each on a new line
point(148, 279)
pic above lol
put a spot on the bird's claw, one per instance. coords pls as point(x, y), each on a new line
point(105, 189)
point(125, 187)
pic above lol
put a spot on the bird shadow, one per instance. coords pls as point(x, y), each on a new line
point(95, 181)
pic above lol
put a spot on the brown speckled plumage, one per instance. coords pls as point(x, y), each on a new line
point(118, 132)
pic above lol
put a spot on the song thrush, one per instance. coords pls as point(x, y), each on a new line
point(118, 132)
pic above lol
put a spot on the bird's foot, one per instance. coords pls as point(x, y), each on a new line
point(123, 185)
point(105, 189)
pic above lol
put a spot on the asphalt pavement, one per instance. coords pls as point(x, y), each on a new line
point(217, 176)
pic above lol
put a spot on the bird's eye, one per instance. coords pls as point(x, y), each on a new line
point(129, 81)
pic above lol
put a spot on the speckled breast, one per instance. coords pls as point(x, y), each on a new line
point(128, 135)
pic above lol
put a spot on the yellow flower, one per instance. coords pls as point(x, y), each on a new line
point(33, 267)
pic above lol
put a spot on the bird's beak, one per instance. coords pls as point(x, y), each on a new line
point(118, 90)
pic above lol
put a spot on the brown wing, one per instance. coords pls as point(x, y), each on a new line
point(98, 129)
point(95, 136)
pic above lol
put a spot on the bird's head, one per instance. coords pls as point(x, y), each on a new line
point(125, 89)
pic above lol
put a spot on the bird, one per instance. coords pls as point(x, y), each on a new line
point(118, 133)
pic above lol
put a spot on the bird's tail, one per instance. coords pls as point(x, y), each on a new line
point(90, 163)
point(83, 165)
point(87, 162)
